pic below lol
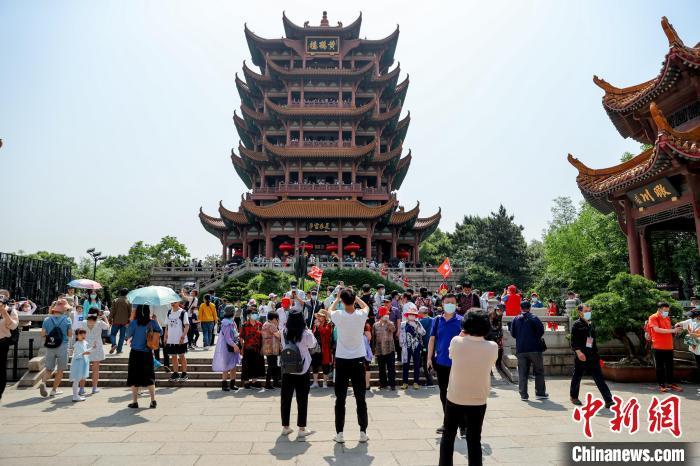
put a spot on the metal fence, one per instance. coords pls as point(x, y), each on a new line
point(41, 281)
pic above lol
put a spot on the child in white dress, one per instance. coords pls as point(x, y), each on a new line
point(80, 364)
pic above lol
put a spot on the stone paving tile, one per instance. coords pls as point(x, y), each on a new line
point(36, 449)
point(202, 448)
point(159, 459)
point(112, 449)
point(49, 460)
point(205, 426)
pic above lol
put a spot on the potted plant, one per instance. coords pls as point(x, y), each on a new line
point(620, 313)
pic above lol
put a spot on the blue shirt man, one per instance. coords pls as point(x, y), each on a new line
point(445, 328)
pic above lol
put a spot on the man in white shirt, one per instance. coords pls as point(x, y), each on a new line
point(350, 355)
point(176, 325)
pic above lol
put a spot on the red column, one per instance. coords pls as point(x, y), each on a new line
point(368, 246)
point(393, 243)
point(224, 249)
point(268, 241)
point(340, 248)
point(694, 183)
point(632, 240)
point(416, 248)
point(647, 260)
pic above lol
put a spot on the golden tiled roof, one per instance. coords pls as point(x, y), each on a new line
point(252, 154)
point(213, 223)
point(238, 218)
point(386, 116)
point(384, 157)
point(312, 209)
point(400, 217)
point(633, 97)
point(351, 31)
point(423, 223)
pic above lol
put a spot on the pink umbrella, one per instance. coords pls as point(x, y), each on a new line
point(85, 284)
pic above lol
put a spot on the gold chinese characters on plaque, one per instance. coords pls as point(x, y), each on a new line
point(319, 226)
point(320, 45)
point(659, 191)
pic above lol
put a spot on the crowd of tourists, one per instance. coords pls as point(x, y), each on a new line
point(303, 341)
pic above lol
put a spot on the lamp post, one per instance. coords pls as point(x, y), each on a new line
point(96, 257)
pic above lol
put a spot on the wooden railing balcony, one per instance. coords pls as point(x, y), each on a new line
point(309, 189)
point(321, 103)
point(320, 143)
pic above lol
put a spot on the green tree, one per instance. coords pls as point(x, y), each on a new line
point(270, 281)
point(436, 247)
point(494, 243)
point(624, 308)
point(586, 253)
point(51, 257)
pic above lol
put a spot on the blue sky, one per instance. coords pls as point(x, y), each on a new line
point(116, 115)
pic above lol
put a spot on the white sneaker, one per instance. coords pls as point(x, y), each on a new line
point(339, 438)
point(302, 434)
point(287, 430)
point(42, 390)
point(314, 385)
point(55, 392)
point(363, 437)
point(78, 398)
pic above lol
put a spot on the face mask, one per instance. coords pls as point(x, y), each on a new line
point(93, 296)
point(449, 308)
point(411, 317)
point(664, 313)
point(313, 295)
point(587, 315)
point(385, 318)
point(253, 317)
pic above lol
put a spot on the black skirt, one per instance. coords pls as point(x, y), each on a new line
point(253, 365)
point(141, 372)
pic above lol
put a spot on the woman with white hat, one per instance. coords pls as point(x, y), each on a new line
point(411, 334)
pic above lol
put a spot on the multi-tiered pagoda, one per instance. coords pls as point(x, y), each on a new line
point(659, 189)
point(321, 149)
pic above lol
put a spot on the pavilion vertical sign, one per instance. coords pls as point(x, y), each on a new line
point(322, 45)
point(654, 193)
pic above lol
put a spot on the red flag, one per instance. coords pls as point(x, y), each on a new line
point(316, 273)
point(383, 270)
point(405, 282)
point(445, 268)
point(443, 289)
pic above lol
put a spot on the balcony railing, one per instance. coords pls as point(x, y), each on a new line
point(321, 103)
point(318, 143)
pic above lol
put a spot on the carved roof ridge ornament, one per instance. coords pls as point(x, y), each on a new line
point(585, 170)
point(324, 20)
point(662, 125)
point(671, 34)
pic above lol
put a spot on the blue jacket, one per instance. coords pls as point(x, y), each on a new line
point(527, 329)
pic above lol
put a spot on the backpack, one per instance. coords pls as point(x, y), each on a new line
point(152, 338)
point(182, 318)
point(291, 361)
point(54, 338)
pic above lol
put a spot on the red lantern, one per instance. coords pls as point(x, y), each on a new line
point(286, 247)
point(307, 246)
point(403, 254)
point(331, 247)
point(237, 252)
point(351, 247)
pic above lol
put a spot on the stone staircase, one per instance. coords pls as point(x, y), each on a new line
point(113, 372)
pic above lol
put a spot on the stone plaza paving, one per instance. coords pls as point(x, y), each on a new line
point(208, 426)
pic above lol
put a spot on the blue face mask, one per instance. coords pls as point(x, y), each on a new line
point(587, 315)
point(254, 316)
point(449, 308)
point(664, 313)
